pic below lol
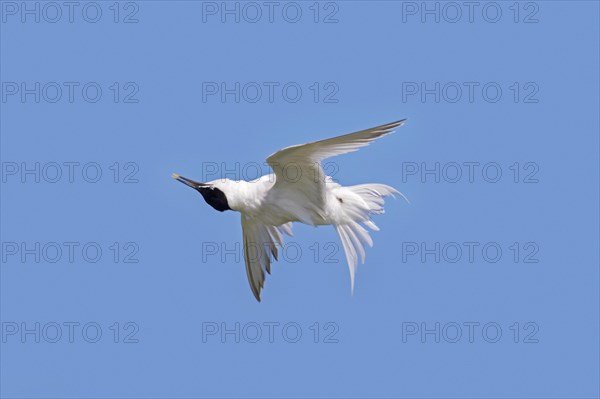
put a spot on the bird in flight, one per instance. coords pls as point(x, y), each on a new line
point(299, 191)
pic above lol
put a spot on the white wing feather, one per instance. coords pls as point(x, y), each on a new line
point(299, 173)
point(260, 249)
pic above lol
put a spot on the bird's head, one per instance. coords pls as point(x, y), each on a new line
point(214, 192)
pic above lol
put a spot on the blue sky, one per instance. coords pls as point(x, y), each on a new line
point(485, 285)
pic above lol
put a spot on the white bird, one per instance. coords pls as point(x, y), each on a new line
point(299, 191)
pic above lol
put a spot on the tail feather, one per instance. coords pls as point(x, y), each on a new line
point(363, 201)
point(354, 238)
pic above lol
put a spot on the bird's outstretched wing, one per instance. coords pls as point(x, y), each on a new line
point(299, 172)
point(260, 248)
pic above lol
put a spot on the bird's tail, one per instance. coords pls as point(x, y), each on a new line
point(359, 204)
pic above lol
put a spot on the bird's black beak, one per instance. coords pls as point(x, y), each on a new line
point(212, 195)
point(188, 182)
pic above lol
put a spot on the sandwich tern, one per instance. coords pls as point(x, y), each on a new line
point(299, 191)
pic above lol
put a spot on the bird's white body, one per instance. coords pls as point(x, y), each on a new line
point(262, 200)
point(299, 191)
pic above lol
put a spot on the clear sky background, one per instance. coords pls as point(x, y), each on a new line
point(520, 323)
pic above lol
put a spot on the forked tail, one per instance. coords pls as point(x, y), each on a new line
point(359, 203)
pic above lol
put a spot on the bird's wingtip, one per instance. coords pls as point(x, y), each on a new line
point(392, 126)
point(175, 176)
